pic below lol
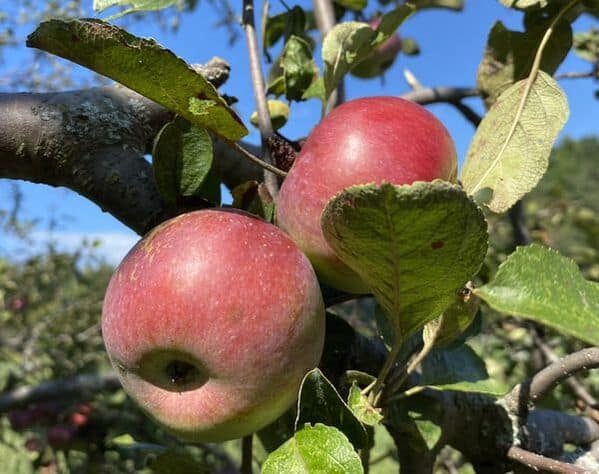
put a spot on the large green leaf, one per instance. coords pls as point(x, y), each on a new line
point(134, 6)
point(15, 461)
point(142, 65)
point(509, 56)
point(315, 449)
point(298, 66)
point(319, 402)
point(510, 150)
point(181, 159)
point(538, 283)
point(460, 369)
point(415, 245)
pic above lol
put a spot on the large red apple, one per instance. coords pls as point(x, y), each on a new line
point(377, 139)
point(212, 320)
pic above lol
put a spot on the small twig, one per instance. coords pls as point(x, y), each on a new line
point(537, 462)
point(59, 388)
point(246, 454)
point(534, 389)
point(264, 123)
point(440, 94)
point(576, 75)
point(254, 159)
point(518, 223)
point(377, 385)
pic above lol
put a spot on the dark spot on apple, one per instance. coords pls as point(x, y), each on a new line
point(437, 244)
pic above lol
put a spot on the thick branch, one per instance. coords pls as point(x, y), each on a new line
point(56, 389)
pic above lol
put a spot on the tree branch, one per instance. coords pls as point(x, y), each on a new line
point(534, 389)
point(538, 462)
point(264, 123)
point(60, 388)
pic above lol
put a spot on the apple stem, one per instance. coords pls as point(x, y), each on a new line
point(264, 123)
point(246, 454)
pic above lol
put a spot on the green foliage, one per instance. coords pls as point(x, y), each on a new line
point(314, 449)
point(181, 160)
point(539, 284)
point(586, 45)
point(142, 65)
point(510, 151)
point(415, 246)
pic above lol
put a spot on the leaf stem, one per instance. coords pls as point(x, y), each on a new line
point(254, 159)
point(264, 123)
point(534, 71)
point(378, 384)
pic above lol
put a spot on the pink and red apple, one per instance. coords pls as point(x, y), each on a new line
point(377, 139)
point(212, 320)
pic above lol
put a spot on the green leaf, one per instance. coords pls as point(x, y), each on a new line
point(135, 6)
point(348, 43)
point(344, 46)
point(459, 369)
point(278, 111)
point(315, 91)
point(361, 407)
point(454, 320)
point(254, 197)
point(319, 402)
point(286, 24)
point(315, 449)
point(299, 68)
point(142, 65)
point(509, 56)
point(538, 283)
point(510, 150)
point(181, 159)
point(415, 245)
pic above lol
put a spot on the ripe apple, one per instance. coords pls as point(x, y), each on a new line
point(377, 139)
point(381, 58)
point(212, 320)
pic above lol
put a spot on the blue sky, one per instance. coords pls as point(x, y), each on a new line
point(452, 45)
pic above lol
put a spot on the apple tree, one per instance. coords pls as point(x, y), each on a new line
point(216, 323)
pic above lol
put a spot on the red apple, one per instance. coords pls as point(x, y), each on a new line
point(212, 320)
point(381, 58)
point(61, 436)
point(377, 139)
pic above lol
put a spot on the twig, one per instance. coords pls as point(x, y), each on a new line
point(440, 94)
point(576, 75)
point(534, 389)
point(254, 159)
point(246, 454)
point(518, 223)
point(264, 123)
point(59, 388)
point(537, 462)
